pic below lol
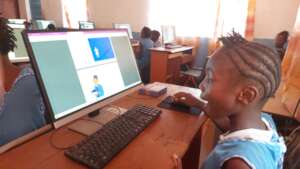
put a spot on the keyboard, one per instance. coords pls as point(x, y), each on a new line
point(98, 149)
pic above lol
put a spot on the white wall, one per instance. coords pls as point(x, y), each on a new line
point(106, 12)
point(273, 16)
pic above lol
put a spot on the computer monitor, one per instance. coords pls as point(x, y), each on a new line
point(168, 34)
point(86, 25)
point(124, 26)
point(80, 71)
point(19, 54)
point(42, 24)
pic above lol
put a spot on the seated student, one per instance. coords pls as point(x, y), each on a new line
point(144, 59)
point(281, 41)
point(21, 105)
point(240, 77)
point(51, 27)
point(155, 38)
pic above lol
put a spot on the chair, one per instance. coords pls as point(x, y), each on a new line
point(193, 76)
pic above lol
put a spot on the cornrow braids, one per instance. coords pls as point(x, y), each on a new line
point(255, 62)
point(7, 37)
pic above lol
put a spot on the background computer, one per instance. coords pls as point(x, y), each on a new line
point(169, 36)
point(19, 54)
point(80, 68)
point(124, 26)
point(86, 25)
point(42, 24)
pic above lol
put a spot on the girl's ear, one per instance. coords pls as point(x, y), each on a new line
point(248, 95)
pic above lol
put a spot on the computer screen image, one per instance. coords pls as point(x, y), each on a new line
point(78, 69)
point(124, 26)
point(42, 24)
point(86, 25)
point(20, 53)
point(168, 34)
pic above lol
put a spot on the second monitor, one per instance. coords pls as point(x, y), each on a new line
point(124, 26)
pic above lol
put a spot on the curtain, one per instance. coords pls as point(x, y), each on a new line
point(237, 15)
point(73, 12)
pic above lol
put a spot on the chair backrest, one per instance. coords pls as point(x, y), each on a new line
point(291, 159)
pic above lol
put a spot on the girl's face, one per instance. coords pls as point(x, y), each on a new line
point(219, 86)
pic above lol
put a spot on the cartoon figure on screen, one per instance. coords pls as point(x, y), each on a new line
point(97, 52)
point(98, 89)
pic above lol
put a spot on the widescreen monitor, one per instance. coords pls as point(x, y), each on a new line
point(124, 26)
point(168, 34)
point(42, 24)
point(86, 25)
point(80, 71)
point(19, 54)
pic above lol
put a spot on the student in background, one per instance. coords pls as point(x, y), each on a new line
point(21, 105)
point(51, 27)
point(144, 58)
point(281, 41)
point(155, 38)
point(240, 78)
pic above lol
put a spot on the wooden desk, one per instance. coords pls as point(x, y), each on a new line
point(161, 58)
point(172, 133)
point(275, 106)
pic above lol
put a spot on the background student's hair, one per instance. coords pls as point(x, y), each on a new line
point(146, 32)
point(7, 37)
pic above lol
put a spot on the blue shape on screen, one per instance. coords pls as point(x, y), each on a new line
point(101, 48)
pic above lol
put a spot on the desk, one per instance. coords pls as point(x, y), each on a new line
point(275, 106)
point(172, 132)
point(161, 62)
point(136, 48)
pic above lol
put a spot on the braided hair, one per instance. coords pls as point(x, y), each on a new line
point(255, 62)
point(7, 37)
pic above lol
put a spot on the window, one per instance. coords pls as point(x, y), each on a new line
point(74, 12)
point(199, 17)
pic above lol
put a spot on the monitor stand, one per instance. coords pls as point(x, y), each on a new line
point(95, 120)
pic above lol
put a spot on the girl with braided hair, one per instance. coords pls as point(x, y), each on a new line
point(21, 105)
point(240, 77)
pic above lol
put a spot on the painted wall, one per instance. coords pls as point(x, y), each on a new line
point(106, 12)
point(52, 10)
point(273, 16)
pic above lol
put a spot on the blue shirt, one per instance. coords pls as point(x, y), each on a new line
point(98, 90)
point(260, 149)
point(144, 59)
point(22, 109)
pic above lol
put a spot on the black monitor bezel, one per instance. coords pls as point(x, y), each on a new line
point(39, 77)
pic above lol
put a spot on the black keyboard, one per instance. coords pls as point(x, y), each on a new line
point(97, 150)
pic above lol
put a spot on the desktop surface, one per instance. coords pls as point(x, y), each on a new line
point(171, 134)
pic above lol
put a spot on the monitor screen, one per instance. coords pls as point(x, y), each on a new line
point(86, 25)
point(124, 26)
point(77, 69)
point(168, 34)
point(42, 24)
point(19, 54)
point(16, 21)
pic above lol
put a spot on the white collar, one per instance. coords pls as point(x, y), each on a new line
point(250, 134)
